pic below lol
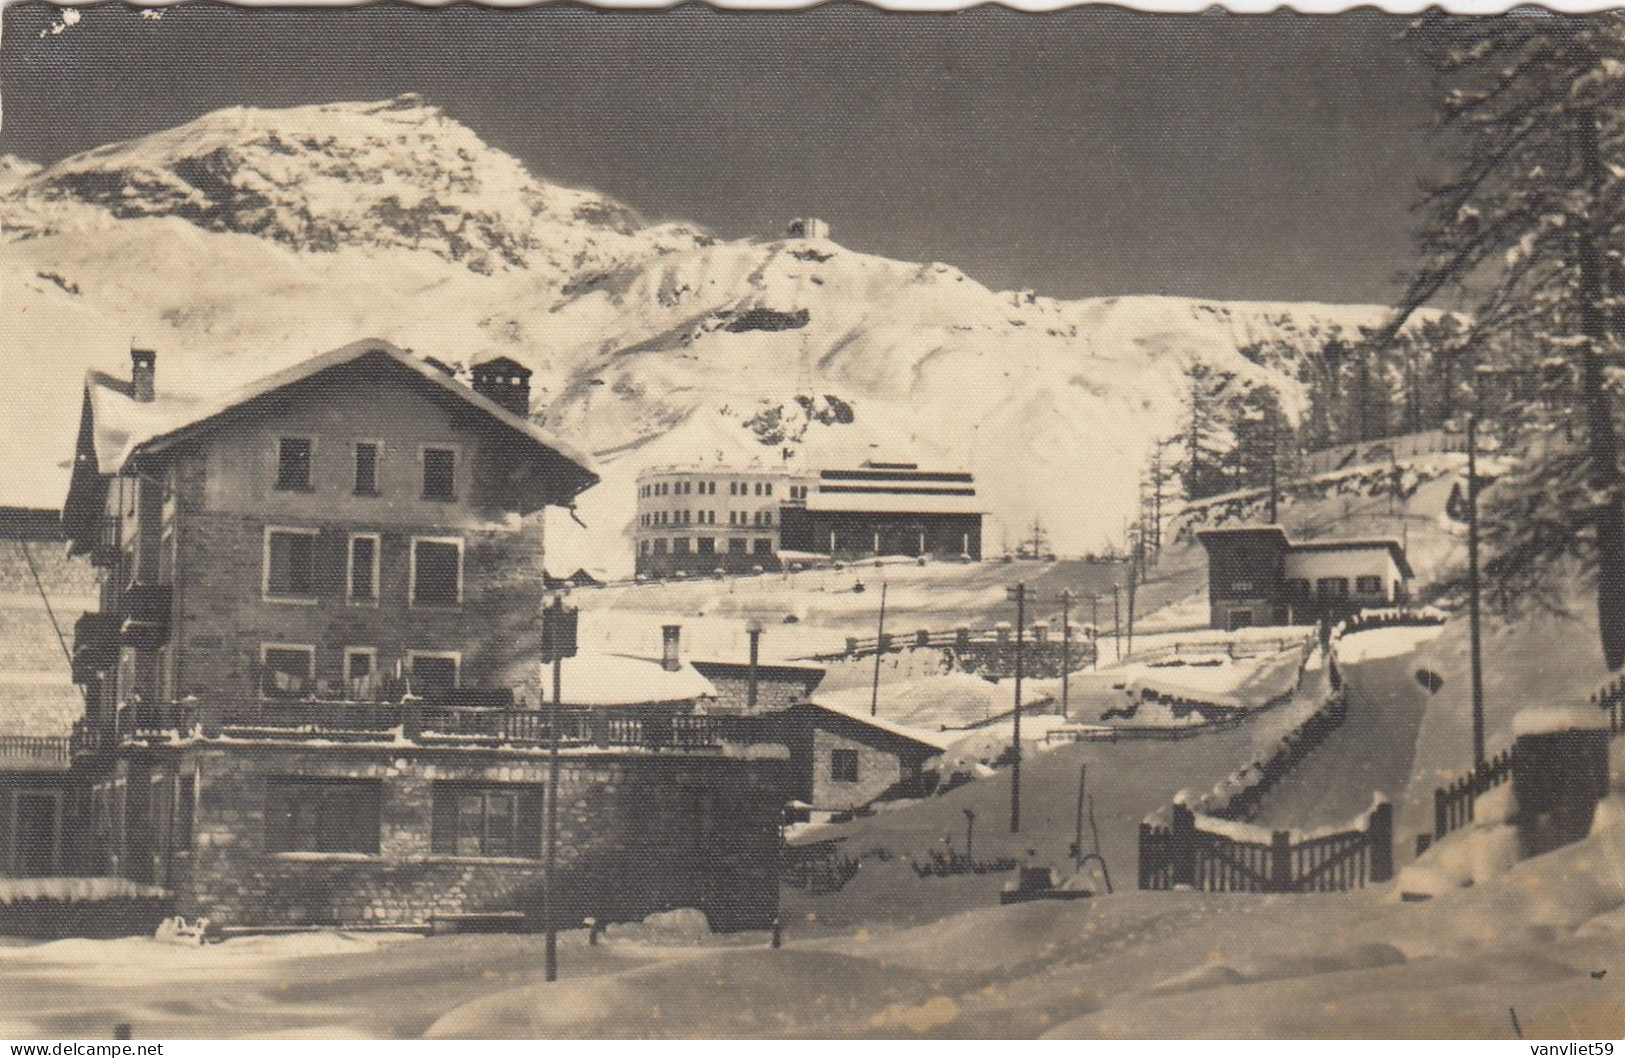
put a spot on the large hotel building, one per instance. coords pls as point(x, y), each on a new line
point(696, 521)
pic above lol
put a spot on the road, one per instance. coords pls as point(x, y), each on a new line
point(1373, 750)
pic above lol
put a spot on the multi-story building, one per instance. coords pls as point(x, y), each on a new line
point(1257, 576)
point(704, 520)
point(312, 592)
point(883, 508)
point(697, 520)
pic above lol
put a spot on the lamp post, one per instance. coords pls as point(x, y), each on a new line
point(753, 628)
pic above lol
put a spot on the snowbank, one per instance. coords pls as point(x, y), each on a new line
point(1378, 643)
point(1550, 719)
point(75, 890)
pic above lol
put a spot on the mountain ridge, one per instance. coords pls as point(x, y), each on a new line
point(650, 343)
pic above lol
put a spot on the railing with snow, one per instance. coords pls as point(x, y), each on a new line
point(1455, 803)
point(1215, 855)
point(33, 753)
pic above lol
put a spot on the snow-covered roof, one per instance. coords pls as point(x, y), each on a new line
point(125, 427)
point(623, 679)
point(1389, 544)
point(932, 739)
point(1553, 719)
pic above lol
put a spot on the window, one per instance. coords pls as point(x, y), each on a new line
point(736, 546)
point(768, 489)
point(1298, 588)
point(293, 464)
point(290, 564)
point(1332, 587)
point(843, 765)
point(433, 672)
point(437, 572)
point(322, 815)
point(679, 545)
point(366, 468)
point(180, 822)
point(286, 670)
point(363, 567)
point(439, 473)
point(761, 547)
point(1241, 587)
point(360, 663)
point(706, 545)
point(1368, 585)
point(486, 820)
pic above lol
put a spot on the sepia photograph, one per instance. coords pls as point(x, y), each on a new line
point(573, 523)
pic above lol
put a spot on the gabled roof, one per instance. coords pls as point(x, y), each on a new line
point(1393, 547)
point(1204, 535)
point(808, 676)
point(154, 426)
point(884, 729)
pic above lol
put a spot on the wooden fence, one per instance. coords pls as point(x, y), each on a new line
point(1455, 803)
point(1215, 859)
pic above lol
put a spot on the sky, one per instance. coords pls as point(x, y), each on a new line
point(1088, 152)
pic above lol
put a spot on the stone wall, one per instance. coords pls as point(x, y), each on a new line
point(637, 834)
point(878, 770)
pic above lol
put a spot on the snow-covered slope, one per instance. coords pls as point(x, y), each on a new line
point(249, 239)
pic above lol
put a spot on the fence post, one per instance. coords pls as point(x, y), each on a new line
point(922, 638)
point(1441, 825)
point(1144, 859)
point(962, 639)
point(1380, 839)
point(851, 646)
point(1182, 846)
point(1281, 861)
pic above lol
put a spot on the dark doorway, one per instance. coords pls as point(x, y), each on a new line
point(39, 834)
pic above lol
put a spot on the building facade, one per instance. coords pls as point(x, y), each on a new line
point(696, 521)
point(880, 508)
point(298, 684)
point(1258, 576)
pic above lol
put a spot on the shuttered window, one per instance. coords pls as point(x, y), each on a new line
point(293, 464)
point(290, 563)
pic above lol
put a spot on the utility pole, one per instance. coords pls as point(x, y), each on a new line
point(1275, 479)
point(1132, 584)
point(1019, 594)
point(1066, 648)
point(880, 641)
point(1094, 626)
point(1117, 620)
point(559, 626)
point(1077, 846)
point(1473, 593)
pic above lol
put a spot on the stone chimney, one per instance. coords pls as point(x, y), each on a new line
point(670, 637)
point(143, 375)
point(504, 382)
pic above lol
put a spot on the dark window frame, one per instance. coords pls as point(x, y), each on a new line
point(367, 484)
point(843, 765)
point(518, 824)
point(323, 815)
point(288, 472)
point(434, 487)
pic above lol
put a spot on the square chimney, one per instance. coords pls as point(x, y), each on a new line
point(506, 383)
point(670, 637)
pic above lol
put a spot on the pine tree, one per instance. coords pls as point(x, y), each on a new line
point(1526, 230)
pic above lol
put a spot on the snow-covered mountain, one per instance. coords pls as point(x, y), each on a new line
point(249, 239)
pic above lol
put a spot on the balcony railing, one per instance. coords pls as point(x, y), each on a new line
point(423, 724)
point(31, 753)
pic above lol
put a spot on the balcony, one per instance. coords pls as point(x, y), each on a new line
point(145, 615)
point(435, 725)
point(95, 646)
